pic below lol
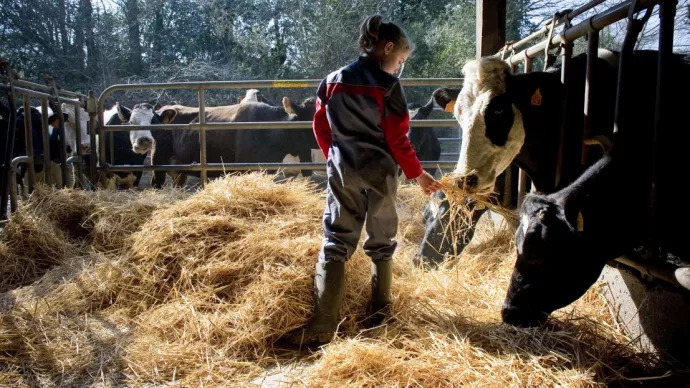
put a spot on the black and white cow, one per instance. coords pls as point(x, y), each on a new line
point(515, 118)
point(565, 238)
point(125, 153)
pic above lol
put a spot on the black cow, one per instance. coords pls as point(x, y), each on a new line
point(424, 140)
point(565, 238)
point(515, 118)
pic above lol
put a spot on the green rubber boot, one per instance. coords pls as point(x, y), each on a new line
point(329, 284)
point(379, 307)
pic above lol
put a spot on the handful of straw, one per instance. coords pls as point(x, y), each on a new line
point(463, 204)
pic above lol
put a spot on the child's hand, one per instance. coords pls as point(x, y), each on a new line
point(427, 183)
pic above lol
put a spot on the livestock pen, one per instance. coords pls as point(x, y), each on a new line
point(167, 287)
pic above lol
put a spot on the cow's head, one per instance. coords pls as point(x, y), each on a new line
point(302, 112)
point(71, 127)
point(492, 127)
point(555, 263)
point(141, 114)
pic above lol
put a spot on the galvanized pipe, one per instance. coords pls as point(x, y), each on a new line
point(39, 95)
point(14, 169)
point(63, 146)
point(298, 83)
point(46, 142)
point(545, 29)
point(28, 84)
point(255, 125)
point(247, 166)
point(667, 13)
point(592, 56)
point(449, 139)
point(77, 121)
point(29, 143)
point(9, 149)
point(594, 23)
point(202, 135)
point(650, 270)
point(561, 161)
point(92, 108)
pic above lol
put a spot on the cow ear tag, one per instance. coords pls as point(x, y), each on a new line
point(580, 222)
point(536, 98)
point(450, 106)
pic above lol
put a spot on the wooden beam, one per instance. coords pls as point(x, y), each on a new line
point(491, 26)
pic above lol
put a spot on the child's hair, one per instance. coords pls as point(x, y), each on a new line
point(374, 34)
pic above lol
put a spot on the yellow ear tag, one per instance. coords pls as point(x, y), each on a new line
point(580, 222)
point(450, 106)
point(536, 98)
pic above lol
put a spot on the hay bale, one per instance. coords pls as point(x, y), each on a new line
point(208, 283)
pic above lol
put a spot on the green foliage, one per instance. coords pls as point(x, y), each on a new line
point(90, 44)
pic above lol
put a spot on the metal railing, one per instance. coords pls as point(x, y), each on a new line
point(14, 87)
point(203, 126)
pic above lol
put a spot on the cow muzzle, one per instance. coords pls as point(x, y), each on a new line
point(143, 145)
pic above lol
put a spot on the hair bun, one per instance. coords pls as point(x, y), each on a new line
point(369, 33)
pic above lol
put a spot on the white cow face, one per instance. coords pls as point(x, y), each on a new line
point(71, 127)
point(492, 129)
point(142, 140)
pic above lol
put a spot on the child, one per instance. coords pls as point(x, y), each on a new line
point(361, 125)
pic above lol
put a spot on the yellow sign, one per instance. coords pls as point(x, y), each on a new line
point(282, 84)
point(536, 98)
point(450, 106)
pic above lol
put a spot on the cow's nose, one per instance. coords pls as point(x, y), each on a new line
point(85, 149)
point(520, 317)
point(68, 149)
point(143, 142)
point(468, 182)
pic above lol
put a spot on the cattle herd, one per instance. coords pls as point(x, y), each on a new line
point(569, 229)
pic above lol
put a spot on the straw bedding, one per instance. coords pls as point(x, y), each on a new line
point(148, 288)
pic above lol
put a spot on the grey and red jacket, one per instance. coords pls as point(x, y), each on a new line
point(361, 109)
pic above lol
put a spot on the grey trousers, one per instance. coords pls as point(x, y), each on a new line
point(358, 197)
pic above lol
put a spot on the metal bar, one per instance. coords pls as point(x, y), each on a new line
point(92, 108)
point(101, 136)
point(596, 22)
point(523, 183)
point(248, 166)
point(563, 165)
point(508, 187)
point(450, 154)
point(9, 144)
point(111, 136)
point(13, 179)
point(77, 122)
point(46, 142)
point(63, 147)
point(39, 95)
point(667, 13)
point(297, 83)
point(647, 269)
point(202, 135)
point(43, 87)
point(545, 29)
point(528, 65)
point(592, 55)
point(29, 141)
point(257, 125)
point(449, 138)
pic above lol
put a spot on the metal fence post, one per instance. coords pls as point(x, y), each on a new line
point(31, 172)
point(92, 108)
point(202, 135)
point(47, 168)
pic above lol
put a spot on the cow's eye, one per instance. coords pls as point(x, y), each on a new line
point(499, 120)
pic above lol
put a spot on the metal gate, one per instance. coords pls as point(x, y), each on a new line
point(14, 88)
point(203, 126)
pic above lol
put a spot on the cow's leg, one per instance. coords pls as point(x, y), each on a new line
point(438, 239)
point(137, 176)
point(180, 180)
